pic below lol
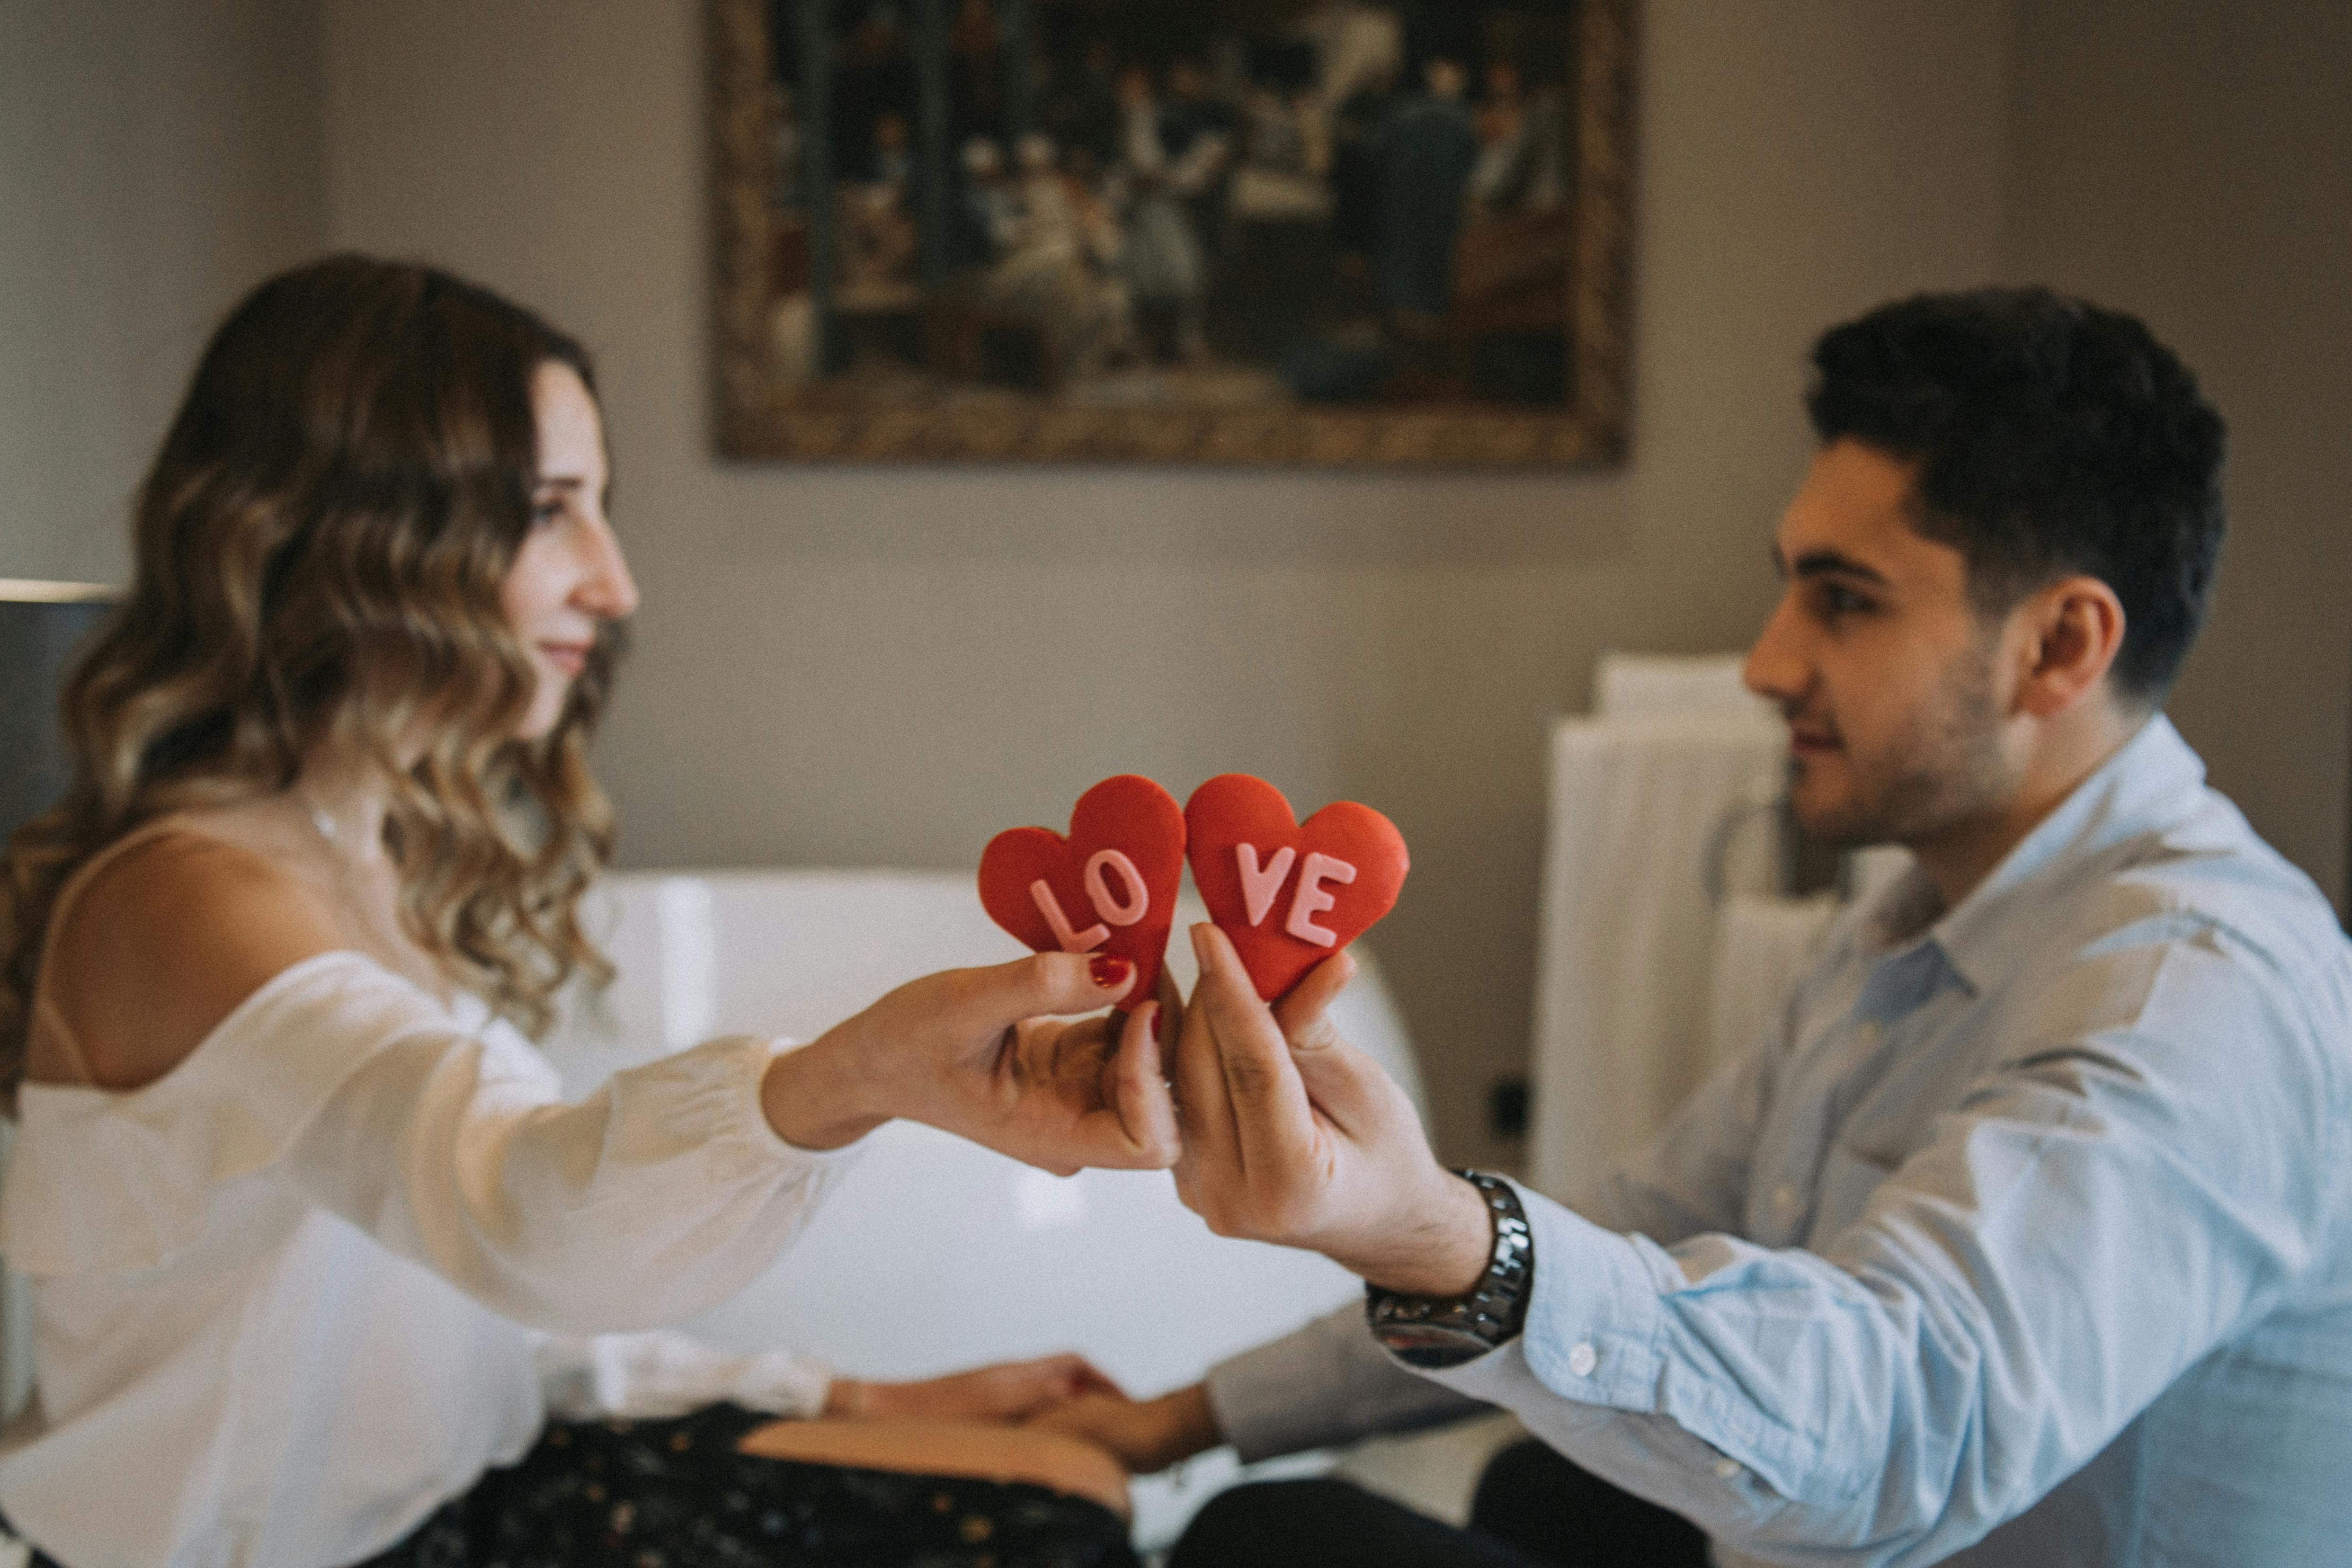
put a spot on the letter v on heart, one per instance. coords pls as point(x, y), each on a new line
point(1245, 845)
point(1109, 886)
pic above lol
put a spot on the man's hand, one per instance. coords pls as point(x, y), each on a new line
point(989, 1053)
point(1008, 1391)
point(1144, 1434)
point(1292, 1135)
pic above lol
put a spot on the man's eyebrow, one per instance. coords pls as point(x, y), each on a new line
point(562, 482)
point(1833, 564)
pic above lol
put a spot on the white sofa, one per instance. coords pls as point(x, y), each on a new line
point(936, 1254)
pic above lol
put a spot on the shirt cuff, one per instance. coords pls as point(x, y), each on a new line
point(1593, 1318)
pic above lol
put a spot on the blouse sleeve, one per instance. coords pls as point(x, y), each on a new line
point(657, 1197)
point(661, 1374)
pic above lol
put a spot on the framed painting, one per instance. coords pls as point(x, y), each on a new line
point(1338, 232)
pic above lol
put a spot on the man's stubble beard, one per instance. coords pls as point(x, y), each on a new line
point(1945, 769)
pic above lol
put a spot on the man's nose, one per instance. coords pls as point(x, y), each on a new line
point(1776, 669)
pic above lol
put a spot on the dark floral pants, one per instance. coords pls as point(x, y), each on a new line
point(676, 1494)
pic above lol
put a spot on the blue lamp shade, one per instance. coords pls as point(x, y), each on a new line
point(43, 626)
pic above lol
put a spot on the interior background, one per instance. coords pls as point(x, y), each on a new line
point(884, 665)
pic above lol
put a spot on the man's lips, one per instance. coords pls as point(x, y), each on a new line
point(1807, 741)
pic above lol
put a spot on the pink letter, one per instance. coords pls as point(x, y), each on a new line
point(1051, 907)
point(1313, 900)
point(1119, 913)
point(1258, 888)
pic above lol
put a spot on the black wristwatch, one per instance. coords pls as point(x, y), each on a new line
point(1446, 1331)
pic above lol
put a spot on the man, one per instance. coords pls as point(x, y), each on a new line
point(2027, 1236)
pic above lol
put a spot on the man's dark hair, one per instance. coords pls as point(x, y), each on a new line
point(2051, 437)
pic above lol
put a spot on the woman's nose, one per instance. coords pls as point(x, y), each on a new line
point(608, 590)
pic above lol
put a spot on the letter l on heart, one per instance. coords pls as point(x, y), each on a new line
point(1049, 906)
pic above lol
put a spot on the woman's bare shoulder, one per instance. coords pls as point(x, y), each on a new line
point(165, 940)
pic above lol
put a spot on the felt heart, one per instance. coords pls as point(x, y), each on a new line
point(1289, 893)
point(1109, 886)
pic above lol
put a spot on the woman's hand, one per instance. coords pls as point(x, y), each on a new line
point(1144, 1434)
point(1292, 1135)
point(991, 1054)
point(1008, 1391)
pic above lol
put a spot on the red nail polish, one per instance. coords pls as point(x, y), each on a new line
point(1109, 969)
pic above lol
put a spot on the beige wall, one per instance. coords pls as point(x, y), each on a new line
point(157, 157)
point(845, 666)
point(2193, 162)
point(858, 665)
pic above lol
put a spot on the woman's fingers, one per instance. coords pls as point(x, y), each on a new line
point(1172, 1000)
point(1075, 1096)
point(1139, 1095)
point(1056, 985)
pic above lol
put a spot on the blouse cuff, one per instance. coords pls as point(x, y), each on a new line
point(845, 1153)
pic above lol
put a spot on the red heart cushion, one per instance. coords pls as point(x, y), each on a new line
point(1290, 894)
point(1110, 885)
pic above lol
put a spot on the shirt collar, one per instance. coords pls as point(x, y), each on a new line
point(2153, 781)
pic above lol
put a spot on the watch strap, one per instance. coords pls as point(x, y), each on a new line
point(1446, 1331)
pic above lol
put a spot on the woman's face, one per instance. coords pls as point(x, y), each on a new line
point(568, 578)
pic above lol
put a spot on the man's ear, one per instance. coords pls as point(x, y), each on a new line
point(2072, 632)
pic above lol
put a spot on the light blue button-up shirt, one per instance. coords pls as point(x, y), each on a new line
point(2034, 1218)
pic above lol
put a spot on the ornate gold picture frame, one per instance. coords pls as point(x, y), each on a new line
point(1326, 232)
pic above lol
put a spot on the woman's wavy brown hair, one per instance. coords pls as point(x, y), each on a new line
point(319, 549)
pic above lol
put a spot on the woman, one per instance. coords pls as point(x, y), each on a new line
point(305, 1217)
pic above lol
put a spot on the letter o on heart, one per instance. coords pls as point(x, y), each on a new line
point(1117, 911)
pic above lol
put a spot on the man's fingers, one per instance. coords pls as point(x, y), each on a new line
point(1345, 1085)
point(1032, 1385)
point(1271, 1113)
point(1303, 1013)
point(1085, 1378)
point(1205, 1117)
point(1093, 1381)
point(1352, 1089)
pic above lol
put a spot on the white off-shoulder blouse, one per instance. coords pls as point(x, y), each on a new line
point(303, 1289)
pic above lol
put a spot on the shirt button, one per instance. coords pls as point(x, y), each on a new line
point(1726, 1469)
point(1784, 1198)
point(1869, 1034)
point(1582, 1359)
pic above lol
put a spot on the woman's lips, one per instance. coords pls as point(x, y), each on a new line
point(568, 658)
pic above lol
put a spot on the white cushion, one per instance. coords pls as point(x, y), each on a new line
point(936, 1254)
